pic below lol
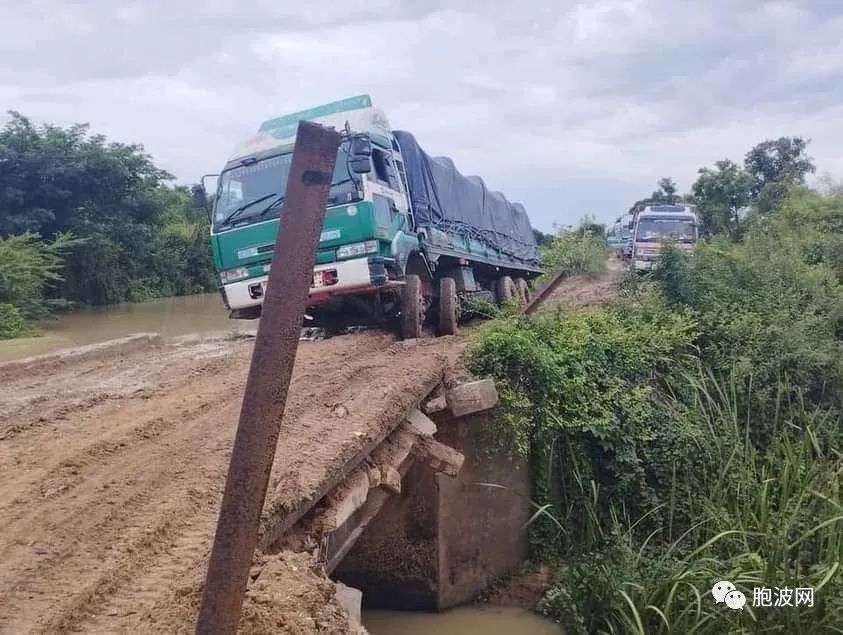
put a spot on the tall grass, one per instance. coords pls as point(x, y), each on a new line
point(770, 516)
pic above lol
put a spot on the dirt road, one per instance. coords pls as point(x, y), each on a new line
point(112, 468)
point(582, 291)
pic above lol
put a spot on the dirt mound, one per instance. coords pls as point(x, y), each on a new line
point(291, 594)
point(583, 291)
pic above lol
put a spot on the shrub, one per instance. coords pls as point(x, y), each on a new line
point(581, 251)
point(28, 267)
point(12, 323)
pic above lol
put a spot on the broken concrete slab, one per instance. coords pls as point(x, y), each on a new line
point(351, 600)
point(437, 404)
point(472, 397)
point(420, 424)
point(390, 479)
point(440, 457)
point(351, 496)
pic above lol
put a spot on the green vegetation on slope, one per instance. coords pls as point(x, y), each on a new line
point(690, 433)
point(87, 221)
point(581, 251)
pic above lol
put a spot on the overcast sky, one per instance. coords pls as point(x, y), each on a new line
point(568, 107)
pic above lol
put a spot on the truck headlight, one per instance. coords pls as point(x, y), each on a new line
point(233, 275)
point(358, 249)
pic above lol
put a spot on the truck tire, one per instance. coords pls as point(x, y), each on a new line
point(505, 290)
point(523, 290)
point(412, 307)
point(449, 307)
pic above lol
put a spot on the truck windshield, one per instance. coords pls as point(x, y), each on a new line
point(255, 192)
point(656, 229)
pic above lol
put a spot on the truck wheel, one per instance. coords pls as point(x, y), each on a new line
point(505, 290)
point(412, 308)
point(523, 290)
point(449, 307)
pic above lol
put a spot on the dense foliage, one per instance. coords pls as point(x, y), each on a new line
point(135, 236)
point(690, 433)
point(580, 251)
point(725, 192)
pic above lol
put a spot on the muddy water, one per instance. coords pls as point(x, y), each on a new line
point(461, 621)
point(168, 316)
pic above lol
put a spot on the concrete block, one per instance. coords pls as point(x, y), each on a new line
point(390, 479)
point(437, 404)
point(374, 476)
point(440, 457)
point(472, 397)
point(349, 497)
point(351, 600)
point(420, 423)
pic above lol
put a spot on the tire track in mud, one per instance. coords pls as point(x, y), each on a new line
point(118, 509)
point(102, 430)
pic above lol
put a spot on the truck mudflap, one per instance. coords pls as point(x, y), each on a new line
point(358, 275)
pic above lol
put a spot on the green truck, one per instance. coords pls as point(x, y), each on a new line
point(406, 239)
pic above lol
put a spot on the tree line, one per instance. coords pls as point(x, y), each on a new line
point(87, 221)
point(725, 192)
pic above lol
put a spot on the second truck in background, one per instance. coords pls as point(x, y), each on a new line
point(655, 224)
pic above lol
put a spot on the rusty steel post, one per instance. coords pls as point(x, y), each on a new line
point(285, 299)
point(541, 294)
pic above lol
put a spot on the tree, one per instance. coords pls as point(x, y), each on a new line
point(139, 237)
point(589, 224)
point(541, 237)
point(666, 192)
point(775, 165)
point(720, 194)
point(52, 177)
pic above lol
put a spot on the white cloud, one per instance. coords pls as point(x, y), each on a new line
point(535, 97)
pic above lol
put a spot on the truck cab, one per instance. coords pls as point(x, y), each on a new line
point(627, 224)
point(655, 225)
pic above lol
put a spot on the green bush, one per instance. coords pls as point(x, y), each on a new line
point(12, 323)
point(582, 251)
point(768, 319)
point(29, 267)
point(138, 237)
point(648, 464)
point(588, 381)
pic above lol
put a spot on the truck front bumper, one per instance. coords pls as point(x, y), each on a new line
point(644, 265)
point(359, 275)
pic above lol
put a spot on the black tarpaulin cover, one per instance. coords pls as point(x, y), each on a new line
point(445, 199)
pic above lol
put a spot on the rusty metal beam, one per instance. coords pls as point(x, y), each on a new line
point(540, 295)
point(265, 396)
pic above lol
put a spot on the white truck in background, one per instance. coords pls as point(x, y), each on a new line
point(654, 225)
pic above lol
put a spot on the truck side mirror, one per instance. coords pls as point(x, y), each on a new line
point(360, 147)
point(360, 165)
point(200, 197)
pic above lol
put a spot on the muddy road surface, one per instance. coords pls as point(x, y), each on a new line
point(112, 466)
point(579, 292)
